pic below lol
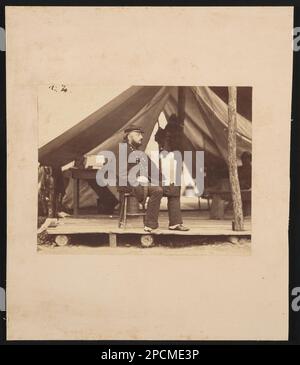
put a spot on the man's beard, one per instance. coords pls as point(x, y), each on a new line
point(136, 144)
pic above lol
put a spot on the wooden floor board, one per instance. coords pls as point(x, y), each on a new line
point(198, 222)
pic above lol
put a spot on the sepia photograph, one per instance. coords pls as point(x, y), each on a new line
point(148, 180)
point(184, 153)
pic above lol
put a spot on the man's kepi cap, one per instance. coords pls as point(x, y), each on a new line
point(132, 128)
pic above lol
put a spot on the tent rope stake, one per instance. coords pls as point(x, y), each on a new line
point(238, 223)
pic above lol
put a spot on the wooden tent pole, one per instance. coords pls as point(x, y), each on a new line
point(51, 202)
point(181, 104)
point(232, 161)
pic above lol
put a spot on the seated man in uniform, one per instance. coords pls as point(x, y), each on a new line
point(134, 137)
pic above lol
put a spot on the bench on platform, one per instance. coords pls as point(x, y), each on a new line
point(217, 198)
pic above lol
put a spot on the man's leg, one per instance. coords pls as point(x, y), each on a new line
point(174, 210)
point(155, 194)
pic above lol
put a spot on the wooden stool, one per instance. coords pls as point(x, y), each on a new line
point(129, 206)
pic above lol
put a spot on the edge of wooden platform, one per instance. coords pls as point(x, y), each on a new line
point(140, 231)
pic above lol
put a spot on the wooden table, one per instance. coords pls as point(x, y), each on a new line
point(76, 175)
point(227, 195)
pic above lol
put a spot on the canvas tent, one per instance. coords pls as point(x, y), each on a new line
point(205, 127)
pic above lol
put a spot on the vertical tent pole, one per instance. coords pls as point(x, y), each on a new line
point(75, 195)
point(238, 224)
point(181, 104)
point(51, 203)
point(181, 114)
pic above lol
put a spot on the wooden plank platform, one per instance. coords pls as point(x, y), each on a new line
point(197, 221)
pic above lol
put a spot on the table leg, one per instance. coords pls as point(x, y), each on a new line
point(75, 196)
point(112, 240)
